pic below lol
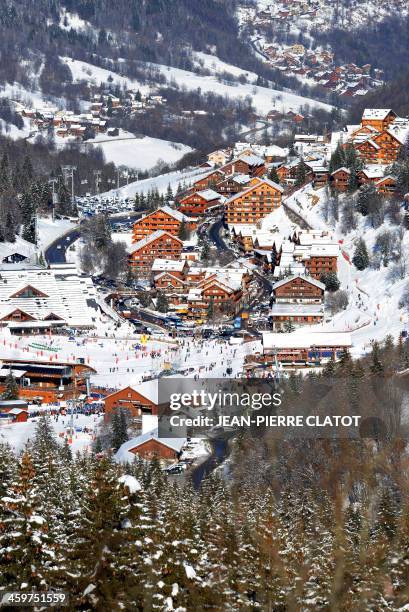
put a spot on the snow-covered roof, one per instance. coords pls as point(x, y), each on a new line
point(400, 131)
point(305, 339)
point(296, 309)
point(169, 274)
point(373, 171)
point(342, 169)
point(19, 247)
point(14, 402)
point(275, 151)
point(4, 372)
point(321, 250)
point(148, 390)
point(151, 238)
point(168, 265)
point(240, 179)
point(386, 178)
point(308, 279)
point(61, 292)
point(378, 114)
point(176, 214)
point(131, 482)
point(256, 185)
point(208, 194)
point(16, 411)
point(124, 453)
point(252, 160)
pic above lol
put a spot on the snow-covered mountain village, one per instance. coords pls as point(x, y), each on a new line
point(172, 220)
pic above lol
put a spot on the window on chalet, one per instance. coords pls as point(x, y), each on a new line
point(52, 317)
point(29, 292)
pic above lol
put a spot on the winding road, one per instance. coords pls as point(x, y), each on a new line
point(55, 253)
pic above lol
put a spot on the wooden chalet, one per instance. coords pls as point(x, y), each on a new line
point(386, 186)
point(199, 202)
point(302, 348)
point(159, 245)
point(233, 184)
point(245, 164)
point(150, 446)
point(165, 218)
point(137, 400)
point(285, 316)
point(209, 181)
point(46, 381)
point(254, 203)
point(298, 289)
point(378, 118)
point(340, 178)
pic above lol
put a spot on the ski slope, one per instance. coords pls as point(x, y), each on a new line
point(138, 153)
point(373, 311)
point(160, 183)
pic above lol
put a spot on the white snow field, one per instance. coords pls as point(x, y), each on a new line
point(160, 182)
point(18, 434)
point(138, 153)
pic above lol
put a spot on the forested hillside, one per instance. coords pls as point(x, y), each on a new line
point(384, 44)
point(394, 95)
point(154, 30)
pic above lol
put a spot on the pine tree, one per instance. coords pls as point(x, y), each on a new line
point(361, 257)
point(23, 534)
point(210, 309)
point(27, 173)
point(162, 302)
point(10, 228)
point(29, 231)
point(169, 194)
point(11, 390)
point(205, 253)
point(365, 195)
point(353, 182)
point(7, 468)
point(273, 176)
point(119, 428)
point(27, 208)
point(376, 365)
point(330, 281)
point(337, 159)
point(92, 575)
point(183, 234)
point(4, 172)
point(41, 260)
point(405, 220)
point(301, 175)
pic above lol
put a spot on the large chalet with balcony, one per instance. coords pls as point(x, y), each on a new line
point(298, 301)
point(165, 218)
point(298, 289)
point(254, 203)
point(224, 293)
point(159, 245)
point(199, 202)
point(209, 181)
point(379, 137)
